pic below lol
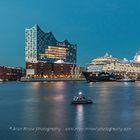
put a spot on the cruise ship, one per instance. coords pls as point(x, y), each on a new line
point(108, 68)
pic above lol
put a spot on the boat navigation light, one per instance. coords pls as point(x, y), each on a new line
point(80, 93)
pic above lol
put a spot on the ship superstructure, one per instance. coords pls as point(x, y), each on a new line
point(119, 67)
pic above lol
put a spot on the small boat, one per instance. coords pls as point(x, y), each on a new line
point(81, 99)
point(1, 80)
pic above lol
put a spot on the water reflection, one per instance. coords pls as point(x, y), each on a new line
point(79, 116)
point(60, 85)
point(79, 121)
point(36, 84)
point(49, 105)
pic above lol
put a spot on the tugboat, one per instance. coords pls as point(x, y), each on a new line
point(81, 99)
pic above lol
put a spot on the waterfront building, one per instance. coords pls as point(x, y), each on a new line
point(42, 46)
point(107, 63)
point(47, 57)
point(10, 73)
point(50, 70)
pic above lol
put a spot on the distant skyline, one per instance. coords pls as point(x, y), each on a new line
point(96, 26)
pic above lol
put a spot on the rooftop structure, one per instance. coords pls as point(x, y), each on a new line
point(106, 59)
point(137, 58)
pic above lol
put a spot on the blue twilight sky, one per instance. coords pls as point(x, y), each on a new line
point(96, 26)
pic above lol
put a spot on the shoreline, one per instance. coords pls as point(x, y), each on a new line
point(50, 79)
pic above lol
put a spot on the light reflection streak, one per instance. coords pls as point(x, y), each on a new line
point(36, 84)
point(59, 98)
point(80, 121)
point(59, 85)
point(79, 116)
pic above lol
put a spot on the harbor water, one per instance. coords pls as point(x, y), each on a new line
point(43, 111)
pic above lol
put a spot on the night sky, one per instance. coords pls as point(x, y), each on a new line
point(96, 26)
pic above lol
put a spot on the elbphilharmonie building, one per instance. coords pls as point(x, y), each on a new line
point(42, 46)
point(47, 57)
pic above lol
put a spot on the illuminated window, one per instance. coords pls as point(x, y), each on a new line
point(55, 52)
